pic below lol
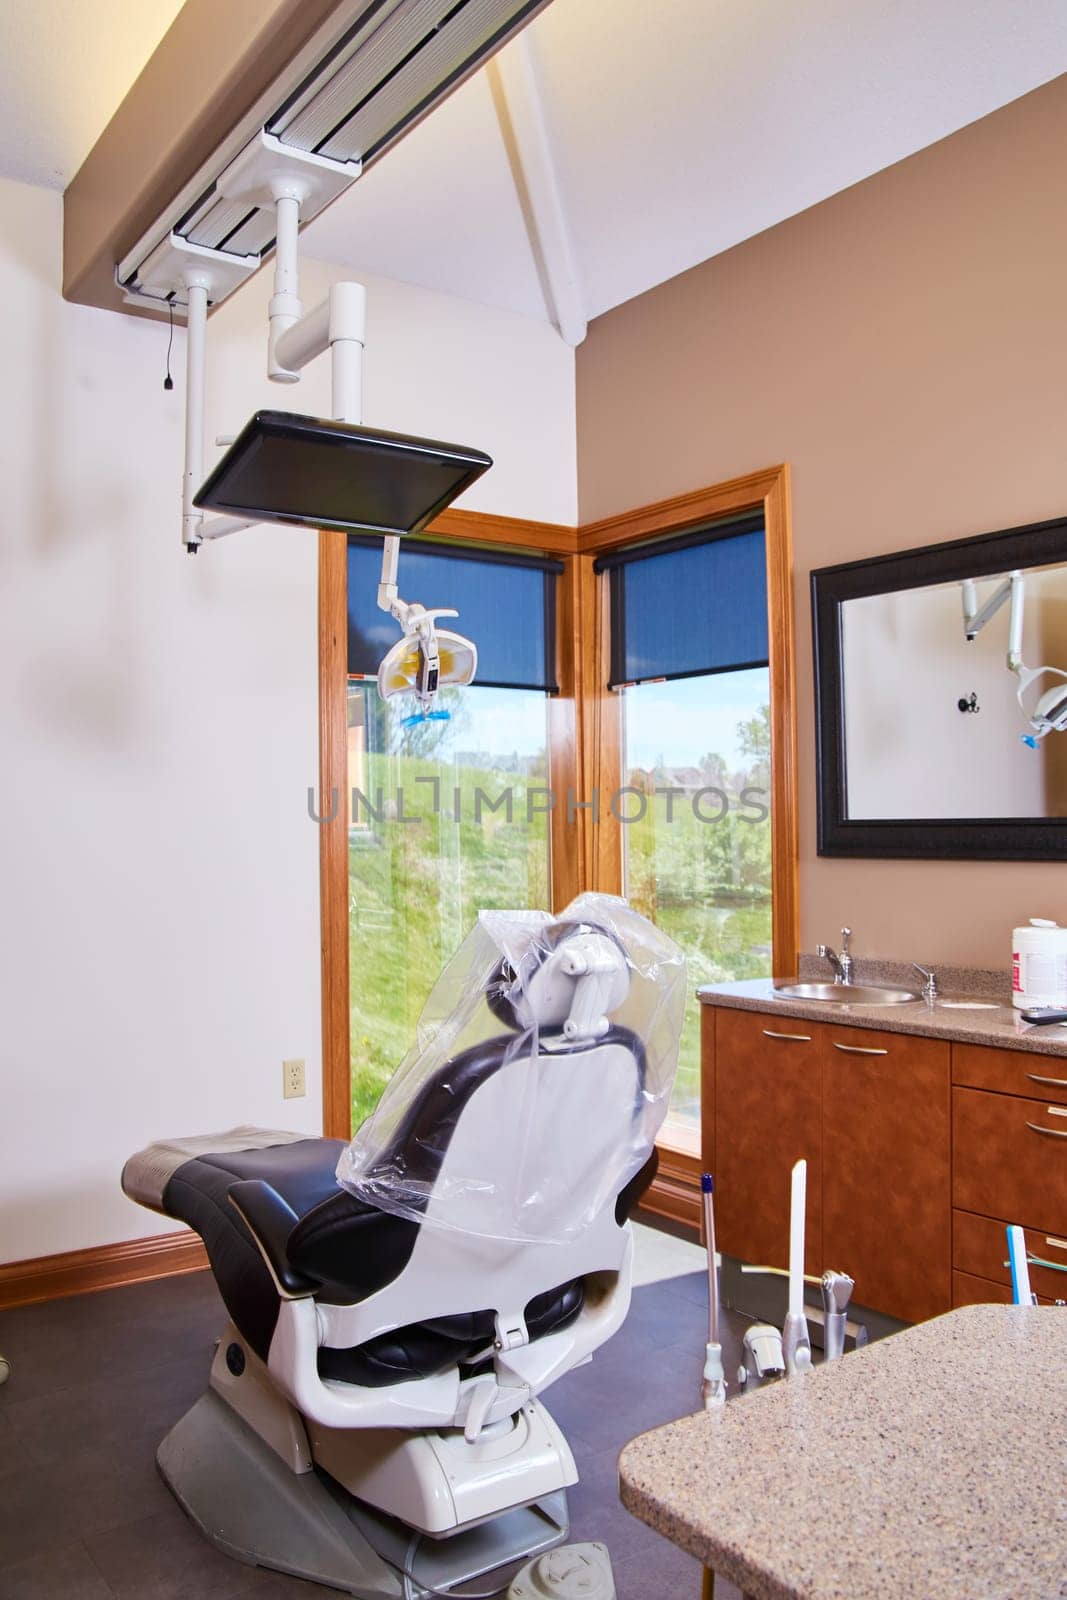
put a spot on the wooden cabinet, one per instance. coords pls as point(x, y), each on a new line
point(919, 1152)
point(885, 1194)
point(979, 1254)
point(980, 1066)
point(870, 1113)
point(1010, 1158)
point(768, 1114)
point(1009, 1164)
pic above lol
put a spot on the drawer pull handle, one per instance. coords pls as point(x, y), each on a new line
point(1050, 1133)
point(859, 1050)
point(1032, 1261)
point(1055, 1083)
point(799, 1038)
point(1056, 1244)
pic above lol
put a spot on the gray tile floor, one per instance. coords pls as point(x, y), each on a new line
point(97, 1380)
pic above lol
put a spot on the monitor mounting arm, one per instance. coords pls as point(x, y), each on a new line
point(266, 174)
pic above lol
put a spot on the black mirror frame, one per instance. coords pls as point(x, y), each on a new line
point(938, 838)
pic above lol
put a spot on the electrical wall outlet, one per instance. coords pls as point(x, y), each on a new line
point(294, 1080)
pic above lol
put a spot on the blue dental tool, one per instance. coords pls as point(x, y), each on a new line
point(425, 716)
point(1021, 1292)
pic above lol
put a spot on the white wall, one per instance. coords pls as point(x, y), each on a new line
point(159, 938)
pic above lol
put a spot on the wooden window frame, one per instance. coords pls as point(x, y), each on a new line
point(584, 746)
point(451, 527)
point(676, 1192)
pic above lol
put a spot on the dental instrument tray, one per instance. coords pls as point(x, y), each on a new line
point(319, 473)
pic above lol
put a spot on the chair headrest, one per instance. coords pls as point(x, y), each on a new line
point(571, 978)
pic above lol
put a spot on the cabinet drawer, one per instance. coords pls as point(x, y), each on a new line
point(971, 1291)
point(980, 1247)
point(1021, 1072)
point(968, 1291)
point(1010, 1159)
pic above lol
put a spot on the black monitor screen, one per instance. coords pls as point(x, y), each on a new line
point(321, 474)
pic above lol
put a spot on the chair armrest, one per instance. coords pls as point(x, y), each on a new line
point(270, 1220)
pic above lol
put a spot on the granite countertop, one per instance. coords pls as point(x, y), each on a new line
point(1000, 1025)
point(931, 1463)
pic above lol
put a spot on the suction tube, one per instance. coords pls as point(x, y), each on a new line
point(713, 1388)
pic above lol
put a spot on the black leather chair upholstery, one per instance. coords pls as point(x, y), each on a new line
point(327, 1242)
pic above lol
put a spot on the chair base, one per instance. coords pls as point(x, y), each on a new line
point(250, 1505)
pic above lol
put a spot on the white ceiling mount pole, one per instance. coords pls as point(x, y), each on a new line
point(195, 378)
point(286, 307)
point(196, 284)
point(348, 333)
point(520, 111)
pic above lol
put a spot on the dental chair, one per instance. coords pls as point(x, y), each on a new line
point(397, 1307)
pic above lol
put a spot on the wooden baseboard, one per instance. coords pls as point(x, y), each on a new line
point(104, 1266)
point(675, 1191)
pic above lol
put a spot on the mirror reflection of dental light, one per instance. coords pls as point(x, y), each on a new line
point(1048, 713)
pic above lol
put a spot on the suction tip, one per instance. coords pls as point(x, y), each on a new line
point(706, 1185)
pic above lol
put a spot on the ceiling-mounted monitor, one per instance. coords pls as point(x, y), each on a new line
point(322, 474)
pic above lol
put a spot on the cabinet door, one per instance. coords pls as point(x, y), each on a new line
point(886, 1187)
point(768, 1114)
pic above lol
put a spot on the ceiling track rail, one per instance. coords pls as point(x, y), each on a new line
point(368, 83)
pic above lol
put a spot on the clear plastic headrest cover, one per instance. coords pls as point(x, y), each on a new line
point(540, 1074)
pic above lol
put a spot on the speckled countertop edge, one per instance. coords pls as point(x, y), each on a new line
point(1001, 1027)
point(929, 1463)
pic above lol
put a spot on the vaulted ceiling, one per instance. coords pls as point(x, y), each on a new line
point(679, 129)
point(656, 135)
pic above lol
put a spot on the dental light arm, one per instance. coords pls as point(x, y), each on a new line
point(975, 617)
point(1048, 712)
point(426, 656)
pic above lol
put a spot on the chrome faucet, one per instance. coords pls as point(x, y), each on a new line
point(929, 977)
point(842, 964)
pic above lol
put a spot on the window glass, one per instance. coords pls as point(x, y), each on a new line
point(689, 650)
point(445, 819)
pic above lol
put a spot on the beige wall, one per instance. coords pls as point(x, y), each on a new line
point(903, 346)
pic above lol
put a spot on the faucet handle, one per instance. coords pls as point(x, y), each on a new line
point(846, 935)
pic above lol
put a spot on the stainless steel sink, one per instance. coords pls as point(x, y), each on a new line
point(846, 994)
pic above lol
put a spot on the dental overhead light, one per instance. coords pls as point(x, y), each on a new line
point(395, 62)
point(1046, 712)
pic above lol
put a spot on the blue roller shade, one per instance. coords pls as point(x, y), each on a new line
point(691, 605)
point(506, 604)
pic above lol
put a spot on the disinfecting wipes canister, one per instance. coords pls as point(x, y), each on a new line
point(1039, 964)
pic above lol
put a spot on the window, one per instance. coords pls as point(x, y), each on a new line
point(446, 818)
point(689, 651)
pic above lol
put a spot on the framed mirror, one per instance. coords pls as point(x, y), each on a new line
point(941, 699)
